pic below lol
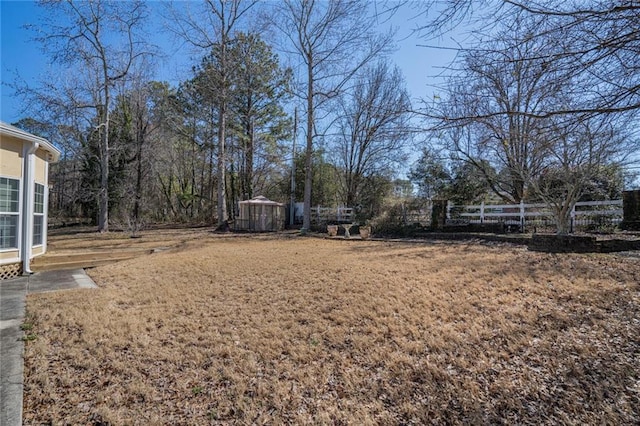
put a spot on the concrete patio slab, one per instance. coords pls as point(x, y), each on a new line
point(13, 295)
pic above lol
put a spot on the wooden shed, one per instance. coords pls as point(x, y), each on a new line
point(24, 194)
point(260, 215)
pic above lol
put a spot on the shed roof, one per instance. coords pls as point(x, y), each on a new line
point(262, 200)
point(9, 130)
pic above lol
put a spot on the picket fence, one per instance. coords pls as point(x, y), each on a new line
point(584, 213)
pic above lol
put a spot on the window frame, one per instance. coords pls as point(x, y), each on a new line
point(15, 214)
point(38, 216)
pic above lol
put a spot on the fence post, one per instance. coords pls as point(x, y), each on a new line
point(404, 214)
point(573, 218)
point(448, 210)
point(439, 214)
point(631, 210)
point(521, 215)
point(482, 212)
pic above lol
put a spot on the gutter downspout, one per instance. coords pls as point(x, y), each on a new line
point(27, 207)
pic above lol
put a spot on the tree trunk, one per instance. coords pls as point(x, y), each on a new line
point(249, 160)
point(222, 206)
point(210, 175)
point(103, 194)
point(352, 184)
point(138, 190)
point(192, 176)
point(233, 199)
point(308, 177)
point(563, 219)
point(63, 184)
point(222, 118)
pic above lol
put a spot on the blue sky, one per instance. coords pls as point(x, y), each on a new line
point(23, 59)
point(19, 56)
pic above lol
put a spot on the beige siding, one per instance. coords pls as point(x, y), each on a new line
point(41, 167)
point(10, 254)
point(37, 251)
point(10, 166)
point(10, 157)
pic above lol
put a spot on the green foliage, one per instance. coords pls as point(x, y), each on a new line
point(607, 183)
point(375, 190)
point(120, 140)
point(325, 187)
point(257, 128)
point(29, 337)
point(431, 175)
point(460, 182)
point(467, 185)
point(261, 128)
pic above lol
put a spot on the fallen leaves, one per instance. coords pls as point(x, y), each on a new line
point(270, 330)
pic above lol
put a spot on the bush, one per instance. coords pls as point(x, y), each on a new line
point(393, 219)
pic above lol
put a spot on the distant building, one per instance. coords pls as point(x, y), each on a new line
point(24, 193)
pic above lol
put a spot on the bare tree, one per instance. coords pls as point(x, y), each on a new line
point(333, 39)
point(600, 39)
point(372, 126)
point(136, 120)
point(492, 111)
point(102, 40)
point(602, 43)
point(575, 155)
point(516, 113)
point(209, 26)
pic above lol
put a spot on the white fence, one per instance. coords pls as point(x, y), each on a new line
point(583, 214)
point(519, 216)
point(332, 214)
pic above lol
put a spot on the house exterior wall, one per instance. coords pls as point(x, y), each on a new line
point(11, 167)
point(24, 157)
point(8, 256)
point(10, 157)
point(41, 167)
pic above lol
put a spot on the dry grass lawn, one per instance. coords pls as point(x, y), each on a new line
point(291, 330)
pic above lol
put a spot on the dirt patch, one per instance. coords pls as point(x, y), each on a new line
point(308, 331)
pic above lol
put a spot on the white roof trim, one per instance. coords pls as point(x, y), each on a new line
point(261, 199)
point(9, 130)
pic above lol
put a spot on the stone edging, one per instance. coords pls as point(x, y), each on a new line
point(549, 243)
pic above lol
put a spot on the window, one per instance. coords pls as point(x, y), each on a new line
point(38, 201)
point(38, 214)
point(9, 212)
